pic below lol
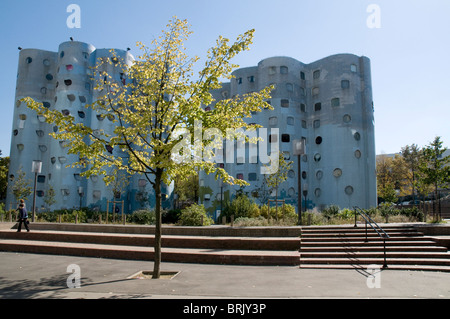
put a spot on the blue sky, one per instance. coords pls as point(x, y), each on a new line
point(409, 52)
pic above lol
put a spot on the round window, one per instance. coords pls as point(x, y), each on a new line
point(349, 190)
point(318, 140)
point(317, 157)
point(358, 154)
point(347, 118)
point(357, 136)
point(319, 175)
point(337, 172)
point(317, 192)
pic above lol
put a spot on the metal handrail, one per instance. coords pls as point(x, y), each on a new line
point(380, 231)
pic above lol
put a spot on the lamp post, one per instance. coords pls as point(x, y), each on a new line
point(36, 168)
point(221, 194)
point(305, 193)
point(81, 193)
point(299, 150)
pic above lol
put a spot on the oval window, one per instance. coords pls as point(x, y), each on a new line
point(318, 140)
point(337, 172)
point(349, 190)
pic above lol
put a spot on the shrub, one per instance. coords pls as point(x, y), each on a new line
point(386, 210)
point(242, 206)
point(143, 217)
point(331, 211)
point(192, 216)
point(171, 216)
point(346, 214)
point(286, 212)
point(249, 222)
point(413, 213)
point(312, 218)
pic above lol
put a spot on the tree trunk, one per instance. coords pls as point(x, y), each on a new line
point(158, 222)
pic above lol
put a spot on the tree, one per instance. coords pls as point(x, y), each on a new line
point(21, 188)
point(435, 167)
point(156, 109)
point(391, 174)
point(411, 155)
point(276, 179)
point(4, 167)
point(49, 198)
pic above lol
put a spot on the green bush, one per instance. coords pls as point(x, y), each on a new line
point(67, 216)
point(346, 214)
point(249, 222)
point(143, 217)
point(331, 211)
point(413, 213)
point(242, 206)
point(312, 218)
point(387, 210)
point(171, 216)
point(285, 212)
point(192, 216)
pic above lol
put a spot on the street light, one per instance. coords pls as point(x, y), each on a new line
point(36, 168)
point(305, 193)
point(299, 150)
point(221, 194)
point(81, 193)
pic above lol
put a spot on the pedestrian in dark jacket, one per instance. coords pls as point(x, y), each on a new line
point(23, 216)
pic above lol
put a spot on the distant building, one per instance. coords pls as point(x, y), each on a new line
point(327, 104)
point(62, 81)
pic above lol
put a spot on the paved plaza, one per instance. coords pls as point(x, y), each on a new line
point(35, 276)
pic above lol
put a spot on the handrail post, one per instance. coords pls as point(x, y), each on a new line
point(366, 233)
point(356, 213)
point(384, 246)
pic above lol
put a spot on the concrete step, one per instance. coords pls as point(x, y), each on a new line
point(390, 267)
point(375, 254)
point(358, 226)
point(370, 233)
point(354, 230)
point(376, 240)
point(361, 242)
point(174, 241)
point(380, 260)
point(346, 247)
point(399, 248)
point(185, 255)
point(213, 231)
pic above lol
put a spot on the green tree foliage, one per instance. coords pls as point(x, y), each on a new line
point(195, 215)
point(434, 166)
point(411, 155)
point(4, 167)
point(160, 99)
point(20, 187)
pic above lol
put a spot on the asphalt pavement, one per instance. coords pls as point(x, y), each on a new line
point(35, 276)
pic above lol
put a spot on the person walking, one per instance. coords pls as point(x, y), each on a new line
point(23, 216)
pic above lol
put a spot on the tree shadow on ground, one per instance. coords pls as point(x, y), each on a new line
point(30, 289)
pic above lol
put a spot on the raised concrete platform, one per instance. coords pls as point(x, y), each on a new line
point(216, 245)
point(216, 230)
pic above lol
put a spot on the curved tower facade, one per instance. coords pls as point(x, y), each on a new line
point(63, 81)
point(328, 105)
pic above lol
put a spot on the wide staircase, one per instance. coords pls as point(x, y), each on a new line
point(212, 245)
point(350, 247)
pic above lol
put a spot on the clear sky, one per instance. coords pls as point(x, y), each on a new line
point(409, 52)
